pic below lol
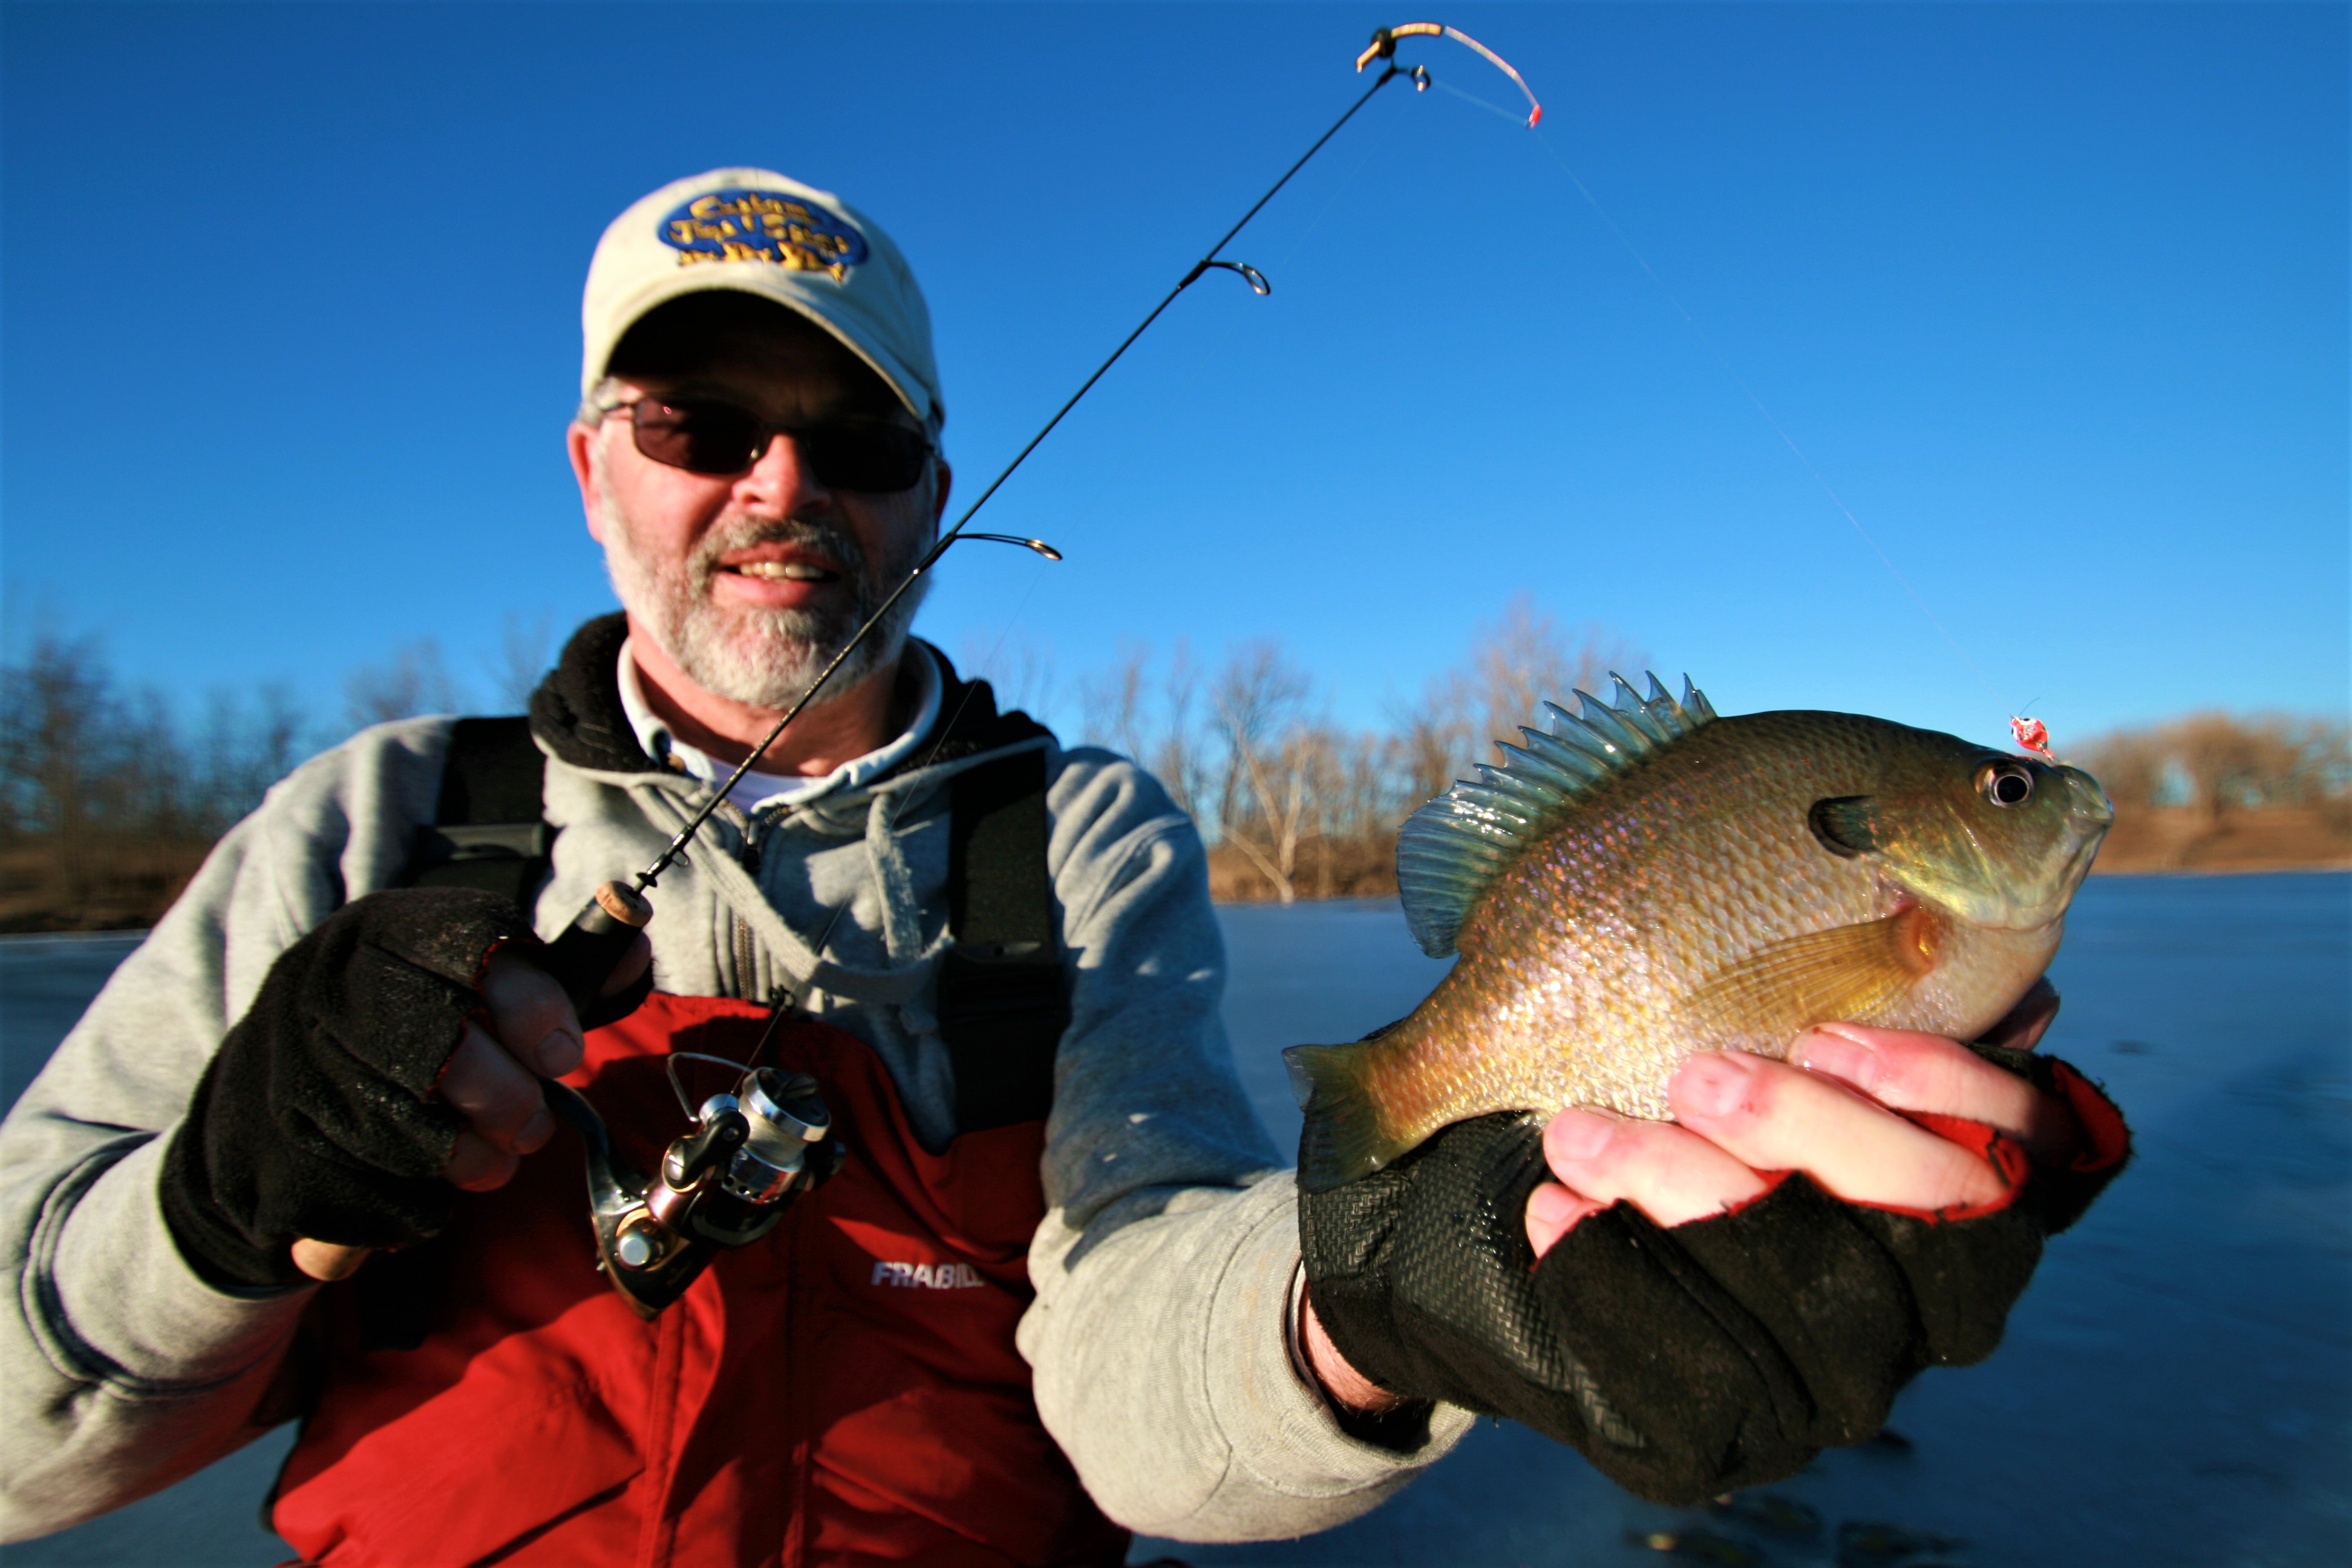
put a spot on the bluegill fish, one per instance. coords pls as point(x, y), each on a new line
point(1641, 882)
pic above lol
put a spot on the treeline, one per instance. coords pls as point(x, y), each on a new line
point(2218, 791)
point(1296, 808)
point(110, 796)
point(2217, 763)
point(1295, 805)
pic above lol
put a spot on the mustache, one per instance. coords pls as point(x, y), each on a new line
point(724, 537)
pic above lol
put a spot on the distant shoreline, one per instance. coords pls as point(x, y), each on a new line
point(2240, 846)
point(2320, 868)
point(2325, 869)
point(2336, 869)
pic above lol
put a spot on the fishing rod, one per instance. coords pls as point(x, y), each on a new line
point(582, 958)
point(725, 1182)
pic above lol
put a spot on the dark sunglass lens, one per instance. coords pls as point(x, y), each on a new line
point(877, 457)
point(702, 437)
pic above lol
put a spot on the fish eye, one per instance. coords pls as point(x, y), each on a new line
point(2006, 784)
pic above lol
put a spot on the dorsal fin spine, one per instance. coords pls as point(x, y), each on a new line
point(1631, 710)
point(1451, 851)
point(1522, 763)
point(1613, 724)
point(1531, 799)
point(1570, 761)
point(1499, 802)
point(1574, 732)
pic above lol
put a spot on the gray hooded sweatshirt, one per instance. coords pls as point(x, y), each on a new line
point(1164, 1265)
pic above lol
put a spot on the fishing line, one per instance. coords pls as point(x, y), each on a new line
point(1497, 109)
point(1724, 362)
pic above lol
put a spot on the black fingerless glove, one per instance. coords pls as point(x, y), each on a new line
point(317, 1116)
point(1690, 1361)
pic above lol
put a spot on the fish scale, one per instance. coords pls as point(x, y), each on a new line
point(1638, 883)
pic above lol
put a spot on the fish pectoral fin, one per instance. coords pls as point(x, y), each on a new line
point(1344, 1137)
point(1847, 973)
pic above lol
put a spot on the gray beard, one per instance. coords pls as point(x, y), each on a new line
point(762, 659)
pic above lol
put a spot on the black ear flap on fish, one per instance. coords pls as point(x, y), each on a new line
point(1846, 824)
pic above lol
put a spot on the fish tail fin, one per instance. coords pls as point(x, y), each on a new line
point(1344, 1137)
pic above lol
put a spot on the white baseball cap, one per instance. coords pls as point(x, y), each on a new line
point(756, 232)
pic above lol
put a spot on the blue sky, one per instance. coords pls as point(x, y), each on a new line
point(2054, 297)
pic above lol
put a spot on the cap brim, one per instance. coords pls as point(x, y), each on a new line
point(765, 281)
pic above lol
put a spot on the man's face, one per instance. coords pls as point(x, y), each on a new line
point(752, 582)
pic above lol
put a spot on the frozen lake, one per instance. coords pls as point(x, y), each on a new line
point(2175, 1387)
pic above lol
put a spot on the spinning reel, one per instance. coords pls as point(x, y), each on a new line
point(724, 1182)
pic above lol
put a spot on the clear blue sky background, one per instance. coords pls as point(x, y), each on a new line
point(2055, 296)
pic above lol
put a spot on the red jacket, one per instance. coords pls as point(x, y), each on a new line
point(844, 1391)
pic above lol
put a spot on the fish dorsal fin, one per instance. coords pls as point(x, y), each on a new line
point(1451, 849)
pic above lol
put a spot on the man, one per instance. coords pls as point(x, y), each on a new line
point(312, 1049)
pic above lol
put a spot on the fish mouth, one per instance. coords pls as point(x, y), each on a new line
point(2089, 814)
point(2087, 804)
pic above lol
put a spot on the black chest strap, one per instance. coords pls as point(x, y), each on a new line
point(486, 830)
point(1003, 997)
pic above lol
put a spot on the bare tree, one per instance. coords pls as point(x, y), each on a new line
point(109, 801)
point(1021, 672)
point(413, 680)
point(241, 751)
point(1271, 757)
point(1516, 663)
point(1153, 719)
point(2255, 760)
point(522, 660)
point(1352, 785)
point(60, 727)
point(2131, 764)
point(1180, 758)
point(2221, 763)
point(1112, 704)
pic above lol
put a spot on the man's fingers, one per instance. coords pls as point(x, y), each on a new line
point(490, 1080)
point(1911, 1072)
point(1667, 1173)
point(1552, 1212)
point(500, 1102)
point(476, 1165)
point(327, 1261)
point(530, 1015)
point(1774, 1117)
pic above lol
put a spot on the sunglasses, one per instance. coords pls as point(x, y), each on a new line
point(853, 453)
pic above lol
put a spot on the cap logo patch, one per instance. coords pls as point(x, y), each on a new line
point(739, 224)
